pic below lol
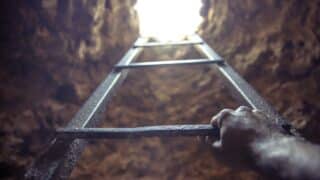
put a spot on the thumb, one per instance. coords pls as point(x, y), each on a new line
point(217, 149)
point(217, 145)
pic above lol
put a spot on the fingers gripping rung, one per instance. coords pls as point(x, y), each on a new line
point(146, 131)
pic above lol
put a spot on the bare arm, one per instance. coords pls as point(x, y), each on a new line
point(251, 134)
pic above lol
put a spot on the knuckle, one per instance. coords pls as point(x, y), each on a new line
point(257, 111)
point(220, 117)
point(224, 116)
point(244, 108)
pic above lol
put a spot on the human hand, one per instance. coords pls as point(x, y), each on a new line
point(240, 130)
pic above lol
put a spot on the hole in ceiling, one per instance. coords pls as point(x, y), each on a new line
point(168, 20)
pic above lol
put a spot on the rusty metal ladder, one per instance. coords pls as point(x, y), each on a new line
point(61, 156)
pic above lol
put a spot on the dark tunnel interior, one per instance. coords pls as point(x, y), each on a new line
point(54, 53)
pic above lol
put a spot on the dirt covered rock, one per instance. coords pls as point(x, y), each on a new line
point(54, 53)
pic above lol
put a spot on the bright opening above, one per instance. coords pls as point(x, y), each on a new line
point(168, 20)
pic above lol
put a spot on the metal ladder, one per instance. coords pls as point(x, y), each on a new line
point(61, 156)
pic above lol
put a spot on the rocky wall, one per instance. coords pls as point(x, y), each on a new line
point(55, 52)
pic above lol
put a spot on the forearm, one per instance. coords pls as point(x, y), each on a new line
point(290, 157)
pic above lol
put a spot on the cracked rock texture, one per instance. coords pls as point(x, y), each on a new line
point(54, 53)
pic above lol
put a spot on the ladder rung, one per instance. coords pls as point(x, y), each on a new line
point(180, 43)
point(136, 132)
point(168, 63)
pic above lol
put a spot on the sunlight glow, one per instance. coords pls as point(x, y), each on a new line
point(168, 20)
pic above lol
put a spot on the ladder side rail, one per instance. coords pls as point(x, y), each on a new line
point(59, 159)
point(244, 89)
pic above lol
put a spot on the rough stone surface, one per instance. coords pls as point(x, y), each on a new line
point(55, 52)
point(275, 46)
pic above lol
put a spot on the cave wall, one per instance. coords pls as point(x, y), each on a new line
point(53, 55)
point(55, 52)
point(275, 46)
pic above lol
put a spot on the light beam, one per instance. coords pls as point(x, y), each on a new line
point(168, 20)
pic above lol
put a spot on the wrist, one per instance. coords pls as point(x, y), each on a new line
point(266, 144)
point(273, 154)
